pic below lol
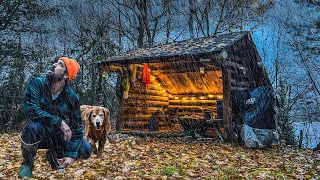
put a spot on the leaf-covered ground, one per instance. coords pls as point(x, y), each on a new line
point(176, 158)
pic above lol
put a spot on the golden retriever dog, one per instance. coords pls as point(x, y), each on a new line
point(97, 126)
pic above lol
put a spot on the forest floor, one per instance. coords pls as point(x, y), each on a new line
point(170, 158)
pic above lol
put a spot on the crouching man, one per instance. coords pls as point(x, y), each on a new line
point(55, 124)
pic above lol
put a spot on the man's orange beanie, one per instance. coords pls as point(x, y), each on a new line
point(72, 66)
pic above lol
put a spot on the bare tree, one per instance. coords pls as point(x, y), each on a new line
point(139, 20)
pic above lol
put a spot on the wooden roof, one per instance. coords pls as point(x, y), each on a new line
point(181, 48)
point(192, 83)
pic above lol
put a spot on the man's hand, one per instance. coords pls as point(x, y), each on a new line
point(66, 161)
point(67, 133)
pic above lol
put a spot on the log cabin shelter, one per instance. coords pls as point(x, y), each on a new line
point(187, 79)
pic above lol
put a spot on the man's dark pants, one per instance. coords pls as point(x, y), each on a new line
point(35, 136)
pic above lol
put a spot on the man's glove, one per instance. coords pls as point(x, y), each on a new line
point(67, 161)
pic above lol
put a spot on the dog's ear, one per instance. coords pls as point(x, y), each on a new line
point(106, 112)
point(89, 113)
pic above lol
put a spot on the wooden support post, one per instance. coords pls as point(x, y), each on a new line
point(227, 121)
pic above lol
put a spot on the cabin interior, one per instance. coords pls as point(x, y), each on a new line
point(179, 95)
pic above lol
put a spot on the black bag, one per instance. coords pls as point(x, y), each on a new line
point(260, 108)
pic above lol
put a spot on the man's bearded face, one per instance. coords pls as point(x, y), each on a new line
point(57, 72)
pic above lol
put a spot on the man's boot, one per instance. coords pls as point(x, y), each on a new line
point(28, 153)
point(25, 171)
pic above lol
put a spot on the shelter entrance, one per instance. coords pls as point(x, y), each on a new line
point(179, 97)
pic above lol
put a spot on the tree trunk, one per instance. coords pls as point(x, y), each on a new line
point(191, 14)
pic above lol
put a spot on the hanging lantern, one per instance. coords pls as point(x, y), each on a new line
point(103, 74)
point(201, 70)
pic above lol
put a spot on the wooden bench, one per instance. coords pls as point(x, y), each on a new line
point(202, 123)
point(216, 124)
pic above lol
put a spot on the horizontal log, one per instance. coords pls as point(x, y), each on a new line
point(179, 71)
point(133, 118)
point(146, 133)
point(140, 124)
point(195, 108)
point(181, 64)
point(148, 97)
point(235, 83)
point(143, 103)
point(193, 103)
point(240, 88)
point(240, 77)
point(111, 68)
point(131, 110)
point(196, 97)
point(117, 67)
point(147, 92)
point(137, 116)
point(185, 113)
point(152, 86)
point(163, 121)
point(156, 86)
point(181, 112)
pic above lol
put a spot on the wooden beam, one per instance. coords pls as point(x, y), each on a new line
point(137, 116)
point(202, 104)
point(140, 124)
point(249, 84)
point(226, 76)
point(138, 103)
point(187, 113)
point(116, 67)
point(194, 108)
point(180, 71)
point(182, 64)
point(192, 101)
point(199, 97)
point(143, 91)
point(131, 110)
point(148, 97)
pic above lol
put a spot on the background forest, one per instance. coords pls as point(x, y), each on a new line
point(34, 33)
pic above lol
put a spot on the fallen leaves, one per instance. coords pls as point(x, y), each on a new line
point(177, 158)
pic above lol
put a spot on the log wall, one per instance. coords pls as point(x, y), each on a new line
point(136, 111)
point(191, 105)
